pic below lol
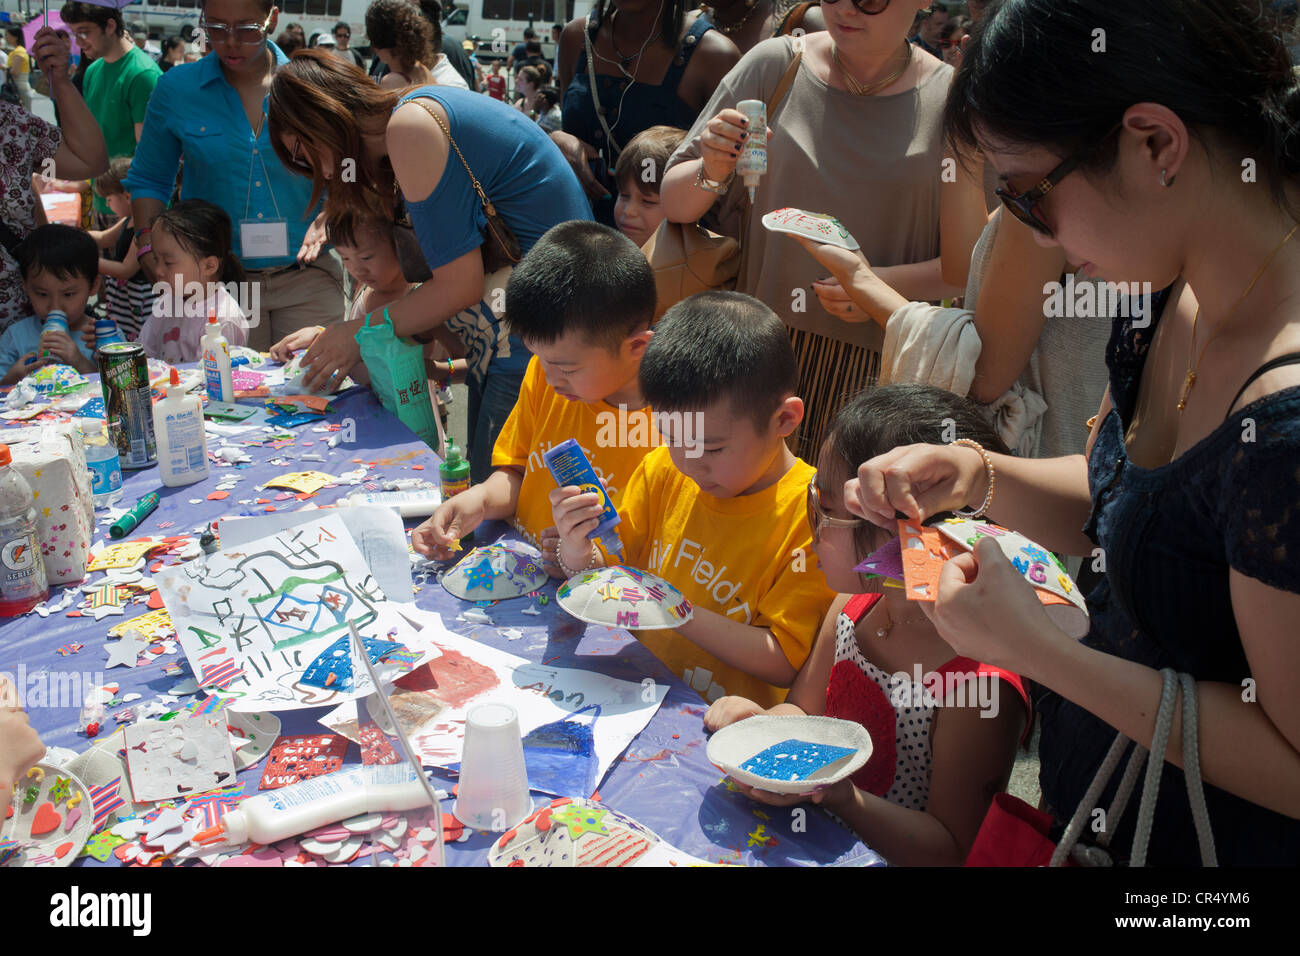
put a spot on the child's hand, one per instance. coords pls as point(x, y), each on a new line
point(550, 544)
point(836, 795)
point(439, 537)
point(58, 344)
point(22, 368)
point(728, 710)
point(576, 515)
point(88, 336)
point(282, 351)
point(20, 746)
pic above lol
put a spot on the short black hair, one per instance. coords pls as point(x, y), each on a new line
point(62, 250)
point(529, 33)
point(585, 277)
point(533, 48)
point(78, 12)
point(341, 26)
point(720, 346)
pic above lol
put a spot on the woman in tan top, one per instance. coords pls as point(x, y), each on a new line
point(859, 135)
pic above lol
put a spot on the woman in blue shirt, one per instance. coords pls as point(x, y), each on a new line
point(331, 123)
point(213, 112)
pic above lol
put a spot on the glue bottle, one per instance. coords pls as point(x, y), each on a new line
point(752, 164)
point(569, 466)
point(453, 473)
point(22, 568)
point(216, 362)
point(182, 443)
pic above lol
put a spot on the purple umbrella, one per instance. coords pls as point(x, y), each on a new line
point(53, 19)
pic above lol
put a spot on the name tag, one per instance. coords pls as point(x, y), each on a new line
point(264, 238)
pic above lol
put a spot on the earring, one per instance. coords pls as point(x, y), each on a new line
point(1164, 182)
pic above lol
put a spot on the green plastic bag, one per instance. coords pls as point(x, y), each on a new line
point(397, 377)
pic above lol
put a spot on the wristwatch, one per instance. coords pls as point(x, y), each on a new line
point(713, 185)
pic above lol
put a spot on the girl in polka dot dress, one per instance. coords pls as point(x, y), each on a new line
point(944, 729)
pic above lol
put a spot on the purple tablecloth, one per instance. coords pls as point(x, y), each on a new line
point(664, 779)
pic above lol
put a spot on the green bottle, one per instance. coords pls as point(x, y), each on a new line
point(453, 473)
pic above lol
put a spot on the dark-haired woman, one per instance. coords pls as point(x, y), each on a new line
point(214, 113)
point(416, 147)
point(654, 63)
point(1132, 162)
point(747, 22)
point(403, 38)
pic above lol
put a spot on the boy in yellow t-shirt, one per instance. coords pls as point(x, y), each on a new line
point(582, 301)
point(723, 517)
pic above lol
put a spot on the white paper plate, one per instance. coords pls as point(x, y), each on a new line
point(620, 596)
point(816, 226)
point(19, 826)
point(734, 745)
point(513, 569)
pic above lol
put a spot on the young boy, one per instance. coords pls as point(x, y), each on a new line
point(639, 172)
point(127, 289)
point(582, 301)
point(60, 270)
point(727, 523)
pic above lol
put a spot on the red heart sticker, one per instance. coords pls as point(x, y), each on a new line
point(46, 819)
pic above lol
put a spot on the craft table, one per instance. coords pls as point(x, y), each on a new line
point(663, 780)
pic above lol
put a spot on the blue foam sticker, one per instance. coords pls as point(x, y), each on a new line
point(293, 421)
point(794, 759)
point(332, 668)
point(92, 409)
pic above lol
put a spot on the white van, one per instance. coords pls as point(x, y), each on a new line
point(497, 26)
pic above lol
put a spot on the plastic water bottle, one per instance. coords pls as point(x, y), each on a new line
point(107, 332)
point(22, 568)
point(101, 458)
point(56, 320)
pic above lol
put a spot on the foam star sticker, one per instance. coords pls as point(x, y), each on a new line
point(60, 790)
point(126, 651)
point(581, 820)
point(481, 576)
point(525, 566)
point(101, 845)
point(758, 837)
point(608, 592)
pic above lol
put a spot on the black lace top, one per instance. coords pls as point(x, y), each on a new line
point(1170, 535)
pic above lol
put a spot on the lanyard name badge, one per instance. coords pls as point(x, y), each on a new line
point(262, 238)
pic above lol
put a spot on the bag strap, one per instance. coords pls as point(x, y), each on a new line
point(1291, 358)
point(478, 188)
point(591, 82)
point(1172, 682)
point(793, 19)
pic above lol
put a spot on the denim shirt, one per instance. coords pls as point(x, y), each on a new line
point(1170, 535)
point(194, 112)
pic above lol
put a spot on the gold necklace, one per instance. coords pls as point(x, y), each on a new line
point(728, 31)
point(1193, 366)
point(884, 632)
point(856, 88)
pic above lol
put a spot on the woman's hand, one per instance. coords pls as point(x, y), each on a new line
point(330, 356)
point(313, 241)
point(721, 142)
point(844, 265)
point(579, 154)
point(988, 612)
point(282, 351)
point(51, 52)
point(918, 480)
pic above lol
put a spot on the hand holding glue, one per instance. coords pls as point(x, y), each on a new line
point(569, 466)
point(752, 165)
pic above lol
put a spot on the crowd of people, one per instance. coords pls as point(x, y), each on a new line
point(1046, 196)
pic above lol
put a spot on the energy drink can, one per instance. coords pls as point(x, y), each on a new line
point(128, 403)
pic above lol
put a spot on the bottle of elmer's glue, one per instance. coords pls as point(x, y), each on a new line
point(182, 443)
point(216, 362)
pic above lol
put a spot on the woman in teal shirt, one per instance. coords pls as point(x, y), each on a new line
point(213, 112)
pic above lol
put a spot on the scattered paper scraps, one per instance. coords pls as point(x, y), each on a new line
point(332, 668)
point(298, 758)
point(294, 420)
point(885, 561)
point(218, 668)
point(177, 758)
point(315, 403)
point(303, 482)
point(126, 652)
point(211, 807)
point(252, 736)
point(155, 624)
point(569, 833)
point(109, 595)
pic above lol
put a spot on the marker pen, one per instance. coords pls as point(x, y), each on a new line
point(139, 511)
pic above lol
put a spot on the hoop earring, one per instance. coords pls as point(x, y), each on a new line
point(1164, 182)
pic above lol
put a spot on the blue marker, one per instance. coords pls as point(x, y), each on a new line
point(569, 466)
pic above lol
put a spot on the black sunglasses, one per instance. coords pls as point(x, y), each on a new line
point(869, 7)
point(1021, 205)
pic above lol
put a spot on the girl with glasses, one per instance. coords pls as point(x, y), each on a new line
point(938, 755)
point(1188, 500)
point(858, 134)
point(214, 113)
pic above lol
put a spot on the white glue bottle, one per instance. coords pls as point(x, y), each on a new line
point(216, 362)
point(182, 443)
point(279, 814)
point(752, 164)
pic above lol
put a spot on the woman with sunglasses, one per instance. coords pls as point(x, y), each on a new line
point(213, 112)
point(1174, 160)
point(859, 135)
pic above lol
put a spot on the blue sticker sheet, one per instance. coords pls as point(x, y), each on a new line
point(332, 668)
point(794, 759)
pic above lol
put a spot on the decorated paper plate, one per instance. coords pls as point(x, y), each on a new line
point(496, 572)
point(816, 226)
point(51, 822)
point(1061, 597)
point(583, 833)
point(624, 597)
point(790, 754)
point(56, 379)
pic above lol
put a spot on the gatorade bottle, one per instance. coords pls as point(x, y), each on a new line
point(453, 473)
point(22, 569)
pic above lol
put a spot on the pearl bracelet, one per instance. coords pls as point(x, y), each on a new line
point(569, 572)
point(989, 472)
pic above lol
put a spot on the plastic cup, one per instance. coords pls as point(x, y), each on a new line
point(492, 793)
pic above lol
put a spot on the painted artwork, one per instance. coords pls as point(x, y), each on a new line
point(575, 723)
point(261, 619)
point(817, 226)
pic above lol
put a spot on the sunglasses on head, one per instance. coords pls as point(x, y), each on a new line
point(869, 7)
point(1021, 205)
